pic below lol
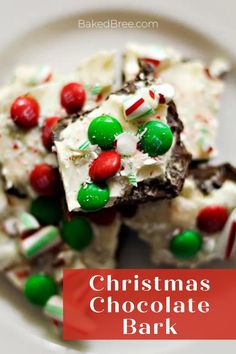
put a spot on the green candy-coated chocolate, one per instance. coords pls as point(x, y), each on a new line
point(156, 138)
point(47, 210)
point(186, 244)
point(103, 131)
point(77, 233)
point(92, 196)
point(39, 288)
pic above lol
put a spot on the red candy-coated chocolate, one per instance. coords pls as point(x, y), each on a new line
point(47, 132)
point(25, 112)
point(73, 96)
point(44, 179)
point(212, 218)
point(103, 217)
point(105, 166)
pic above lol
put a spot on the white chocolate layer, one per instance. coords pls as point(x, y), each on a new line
point(157, 222)
point(197, 92)
point(197, 99)
point(101, 252)
point(21, 150)
point(74, 164)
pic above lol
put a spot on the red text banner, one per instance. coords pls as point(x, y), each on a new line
point(149, 304)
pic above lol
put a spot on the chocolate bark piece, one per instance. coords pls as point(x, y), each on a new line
point(209, 192)
point(22, 149)
point(197, 91)
point(175, 174)
point(167, 185)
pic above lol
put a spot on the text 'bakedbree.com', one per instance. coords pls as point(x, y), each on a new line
point(116, 24)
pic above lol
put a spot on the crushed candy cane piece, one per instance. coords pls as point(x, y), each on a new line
point(96, 89)
point(133, 180)
point(136, 107)
point(54, 308)
point(84, 145)
point(27, 222)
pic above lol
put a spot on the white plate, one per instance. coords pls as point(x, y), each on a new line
point(46, 32)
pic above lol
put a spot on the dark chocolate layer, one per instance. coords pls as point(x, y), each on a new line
point(209, 177)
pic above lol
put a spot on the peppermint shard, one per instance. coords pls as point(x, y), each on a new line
point(126, 151)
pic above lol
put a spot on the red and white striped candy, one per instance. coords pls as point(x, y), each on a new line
point(152, 98)
point(226, 245)
point(136, 107)
point(40, 242)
